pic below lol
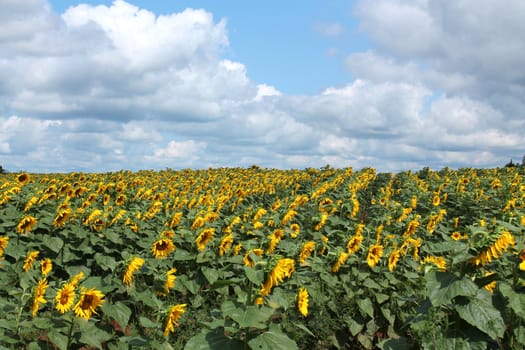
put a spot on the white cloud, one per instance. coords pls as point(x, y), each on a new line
point(102, 88)
point(329, 29)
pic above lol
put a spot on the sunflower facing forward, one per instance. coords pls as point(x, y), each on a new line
point(65, 298)
point(162, 248)
point(89, 300)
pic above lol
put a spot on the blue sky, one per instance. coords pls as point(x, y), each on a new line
point(392, 84)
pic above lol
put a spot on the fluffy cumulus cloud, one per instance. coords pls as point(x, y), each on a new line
point(101, 88)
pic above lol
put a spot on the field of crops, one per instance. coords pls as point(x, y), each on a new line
point(235, 258)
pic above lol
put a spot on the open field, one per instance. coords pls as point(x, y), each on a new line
point(263, 259)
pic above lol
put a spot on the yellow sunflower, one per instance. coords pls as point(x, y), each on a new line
point(162, 248)
point(89, 300)
point(173, 318)
point(26, 225)
point(65, 298)
point(135, 264)
point(204, 238)
point(30, 259)
point(302, 301)
point(374, 255)
point(40, 291)
point(46, 266)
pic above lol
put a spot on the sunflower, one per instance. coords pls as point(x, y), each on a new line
point(296, 230)
point(340, 261)
point(46, 266)
point(197, 223)
point(502, 244)
point(247, 260)
point(522, 258)
point(226, 244)
point(170, 280)
point(173, 318)
point(38, 298)
point(374, 255)
point(121, 198)
point(23, 178)
point(30, 203)
point(302, 301)
point(89, 300)
point(4, 240)
point(30, 259)
point(456, 235)
point(437, 261)
point(204, 238)
point(65, 298)
point(354, 244)
point(76, 279)
point(61, 218)
point(435, 200)
point(237, 249)
point(135, 264)
point(162, 248)
point(393, 259)
point(284, 268)
point(26, 225)
point(306, 251)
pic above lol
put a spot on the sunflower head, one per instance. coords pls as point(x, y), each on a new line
point(89, 300)
point(162, 248)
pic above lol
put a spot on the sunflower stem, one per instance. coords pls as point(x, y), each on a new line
point(70, 332)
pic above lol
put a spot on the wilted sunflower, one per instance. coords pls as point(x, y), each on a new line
point(306, 251)
point(46, 266)
point(374, 255)
point(302, 301)
point(4, 240)
point(502, 244)
point(135, 264)
point(26, 225)
point(162, 248)
point(393, 259)
point(340, 261)
point(30, 259)
point(226, 244)
point(173, 318)
point(204, 238)
point(65, 298)
point(283, 269)
point(89, 300)
point(170, 280)
point(40, 291)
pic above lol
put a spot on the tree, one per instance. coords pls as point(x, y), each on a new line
point(2, 170)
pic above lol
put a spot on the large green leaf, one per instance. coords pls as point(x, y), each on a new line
point(93, 335)
point(119, 312)
point(515, 301)
point(247, 316)
point(366, 307)
point(255, 276)
point(272, 340)
point(484, 316)
point(213, 340)
point(58, 339)
point(442, 287)
point(211, 274)
point(54, 243)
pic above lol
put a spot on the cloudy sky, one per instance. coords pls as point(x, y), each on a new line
point(391, 84)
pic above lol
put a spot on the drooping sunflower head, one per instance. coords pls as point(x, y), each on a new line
point(204, 238)
point(162, 248)
point(26, 225)
point(30, 259)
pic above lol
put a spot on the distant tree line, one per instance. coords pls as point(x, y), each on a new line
point(512, 164)
point(2, 171)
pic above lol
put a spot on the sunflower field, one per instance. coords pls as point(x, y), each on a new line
point(253, 258)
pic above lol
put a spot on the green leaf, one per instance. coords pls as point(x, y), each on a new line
point(182, 255)
point(93, 335)
point(515, 301)
point(354, 326)
point(213, 340)
point(119, 312)
point(54, 243)
point(146, 322)
point(366, 307)
point(394, 344)
point(249, 316)
point(58, 339)
point(272, 341)
point(106, 262)
point(211, 275)
point(304, 328)
point(255, 276)
point(482, 315)
point(442, 287)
